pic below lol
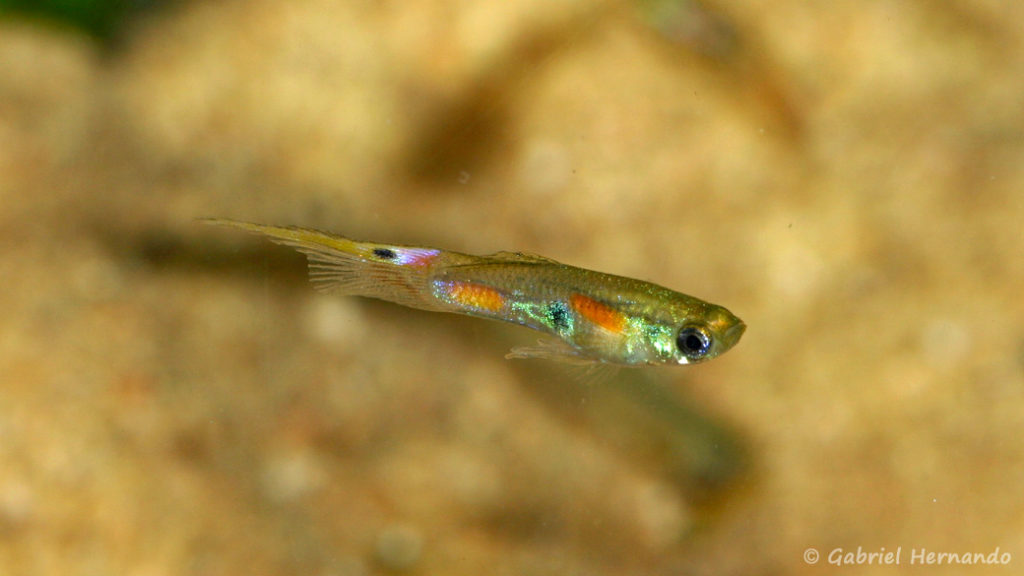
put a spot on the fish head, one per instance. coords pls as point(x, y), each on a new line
point(694, 336)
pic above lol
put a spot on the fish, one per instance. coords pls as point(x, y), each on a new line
point(593, 317)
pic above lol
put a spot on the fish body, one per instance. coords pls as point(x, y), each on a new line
point(594, 317)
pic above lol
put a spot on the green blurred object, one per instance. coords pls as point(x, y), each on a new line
point(103, 19)
point(693, 24)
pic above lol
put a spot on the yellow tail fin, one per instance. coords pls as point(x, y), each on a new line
point(340, 265)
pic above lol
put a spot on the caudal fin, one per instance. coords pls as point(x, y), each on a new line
point(340, 265)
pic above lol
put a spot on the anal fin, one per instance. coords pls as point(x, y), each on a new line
point(552, 350)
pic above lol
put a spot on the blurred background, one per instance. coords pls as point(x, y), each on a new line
point(847, 177)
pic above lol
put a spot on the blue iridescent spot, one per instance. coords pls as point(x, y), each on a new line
point(558, 314)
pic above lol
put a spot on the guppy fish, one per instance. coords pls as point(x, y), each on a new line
point(596, 317)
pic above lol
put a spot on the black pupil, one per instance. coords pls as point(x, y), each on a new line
point(694, 343)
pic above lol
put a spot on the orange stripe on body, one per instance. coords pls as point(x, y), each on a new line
point(476, 296)
point(598, 313)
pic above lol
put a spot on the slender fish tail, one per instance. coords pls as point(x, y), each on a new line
point(339, 265)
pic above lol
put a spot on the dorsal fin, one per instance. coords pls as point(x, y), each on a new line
point(522, 257)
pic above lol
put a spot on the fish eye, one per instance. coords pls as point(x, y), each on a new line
point(694, 342)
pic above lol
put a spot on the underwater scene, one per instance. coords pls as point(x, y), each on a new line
point(644, 287)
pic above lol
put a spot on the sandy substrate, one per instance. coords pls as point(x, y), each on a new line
point(847, 177)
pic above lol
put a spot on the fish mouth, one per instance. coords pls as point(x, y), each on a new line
point(732, 334)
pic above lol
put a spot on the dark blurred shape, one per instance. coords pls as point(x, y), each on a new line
point(464, 133)
point(170, 249)
point(103, 19)
point(657, 426)
point(688, 28)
